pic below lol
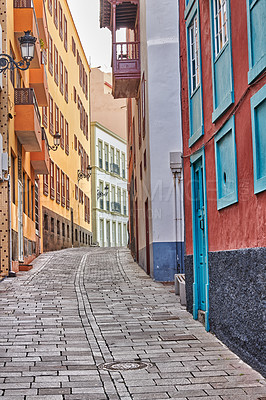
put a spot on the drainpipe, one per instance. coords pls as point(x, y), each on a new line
point(176, 168)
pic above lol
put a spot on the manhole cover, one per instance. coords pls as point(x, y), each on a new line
point(123, 365)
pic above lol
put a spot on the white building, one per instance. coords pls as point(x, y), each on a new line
point(109, 187)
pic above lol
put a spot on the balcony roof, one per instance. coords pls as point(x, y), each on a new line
point(126, 13)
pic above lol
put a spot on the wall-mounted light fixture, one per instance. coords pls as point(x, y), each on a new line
point(57, 138)
point(82, 174)
point(27, 47)
point(101, 194)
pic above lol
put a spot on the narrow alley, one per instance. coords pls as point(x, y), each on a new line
point(90, 324)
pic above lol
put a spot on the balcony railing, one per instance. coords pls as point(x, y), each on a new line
point(115, 169)
point(127, 51)
point(23, 4)
point(26, 96)
point(116, 207)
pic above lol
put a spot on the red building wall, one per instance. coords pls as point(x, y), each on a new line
point(241, 225)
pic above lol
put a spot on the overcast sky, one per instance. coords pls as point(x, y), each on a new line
point(95, 41)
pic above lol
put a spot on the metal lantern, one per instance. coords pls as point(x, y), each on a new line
point(27, 46)
point(57, 138)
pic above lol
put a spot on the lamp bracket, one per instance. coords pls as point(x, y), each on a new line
point(7, 62)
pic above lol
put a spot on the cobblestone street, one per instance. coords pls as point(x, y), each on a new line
point(80, 308)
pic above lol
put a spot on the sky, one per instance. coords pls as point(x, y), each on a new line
point(95, 41)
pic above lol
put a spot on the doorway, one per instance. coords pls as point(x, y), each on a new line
point(147, 237)
point(20, 221)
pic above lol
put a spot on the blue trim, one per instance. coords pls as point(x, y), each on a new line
point(255, 101)
point(193, 159)
point(259, 67)
point(189, 4)
point(232, 197)
point(200, 131)
point(219, 109)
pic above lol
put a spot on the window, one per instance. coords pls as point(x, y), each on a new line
point(194, 74)
point(52, 224)
point(101, 198)
point(50, 6)
point(100, 152)
point(56, 13)
point(60, 21)
point(50, 55)
point(45, 185)
point(106, 155)
point(57, 184)
point(76, 192)
point(256, 38)
point(68, 232)
point(73, 47)
point(194, 54)
point(112, 158)
point(58, 227)
point(63, 189)
point(118, 162)
point(258, 119)
point(52, 180)
point(86, 86)
point(123, 166)
point(56, 119)
point(145, 160)
point(124, 202)
point(63, 229)
point(62, 130)
point(45, 222)
point(67, 138)
point(140, 171)
point(61, 71)
point(67, 194)
point(75, 94)
point(222, 65)
point(44, 117)
point(66, 85)
point(65, 32)
point(220, 24)
point(226, 168)
point(51, 115)
point(55, 65)
point(75, 142)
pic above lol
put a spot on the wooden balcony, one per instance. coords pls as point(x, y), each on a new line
point(42, 21)
point(40, 160)
point(28, 120)
point(25, 20)
point(38, 81)
point(126, 69)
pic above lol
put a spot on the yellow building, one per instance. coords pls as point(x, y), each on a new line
point(44, 194)
point(65, 194)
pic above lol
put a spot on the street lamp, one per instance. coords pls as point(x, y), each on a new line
point(101, 194)
point(82, 174)
point(57, 138)
point(27, 47)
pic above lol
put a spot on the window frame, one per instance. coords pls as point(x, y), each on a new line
point(257, 99)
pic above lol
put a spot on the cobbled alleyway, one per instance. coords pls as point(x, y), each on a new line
point(80, 308)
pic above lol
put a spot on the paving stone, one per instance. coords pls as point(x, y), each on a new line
point(79, 308)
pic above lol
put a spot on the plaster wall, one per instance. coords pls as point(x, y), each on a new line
point(160, 65)
point(106, 110)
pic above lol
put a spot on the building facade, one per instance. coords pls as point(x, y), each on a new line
point(146, 72)
point(65, 192)
point(109, 188)
point(22, 139)
point(223, 61)
point(109, 163)
point(45, 205)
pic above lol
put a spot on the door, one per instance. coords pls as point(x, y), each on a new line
point(200, 263)
point(114, 234)
point(108, 233)
point(20, 222)
point(72, 227)
point(147, 237)
point(101, 233)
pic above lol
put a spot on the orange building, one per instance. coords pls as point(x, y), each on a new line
point(44, 197)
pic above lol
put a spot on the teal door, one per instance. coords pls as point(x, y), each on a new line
point(200, 264)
